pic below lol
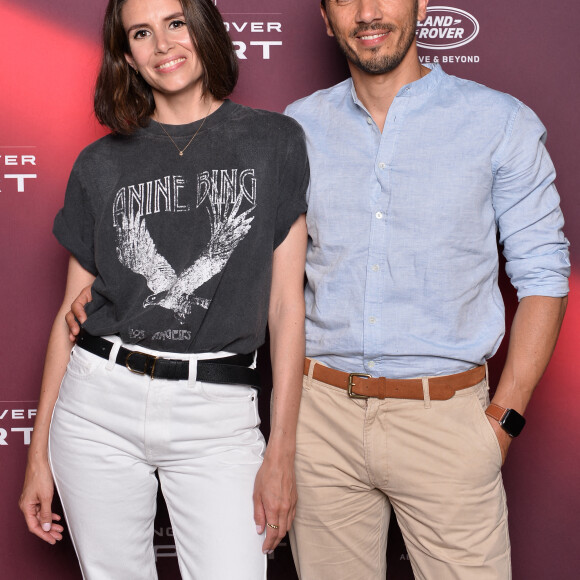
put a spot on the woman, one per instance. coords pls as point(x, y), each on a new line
point(188, 222)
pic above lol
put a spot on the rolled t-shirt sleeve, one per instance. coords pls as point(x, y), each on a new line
point(74, 224)
point(293, 183)
point(527, 208)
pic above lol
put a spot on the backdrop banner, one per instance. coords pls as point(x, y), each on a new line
point(48, 62)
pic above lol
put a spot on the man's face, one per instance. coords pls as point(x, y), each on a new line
point(375, 35)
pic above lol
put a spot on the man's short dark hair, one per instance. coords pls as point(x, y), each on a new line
point(124, 101)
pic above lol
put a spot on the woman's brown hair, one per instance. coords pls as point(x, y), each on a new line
point(124, 101)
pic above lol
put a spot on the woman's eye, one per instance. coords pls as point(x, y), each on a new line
point(177, 24)
point(140, 34)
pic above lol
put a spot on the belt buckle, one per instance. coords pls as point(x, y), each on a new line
point(351, 385)
point(148, 357)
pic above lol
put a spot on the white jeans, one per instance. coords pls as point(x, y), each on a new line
point(111, 429)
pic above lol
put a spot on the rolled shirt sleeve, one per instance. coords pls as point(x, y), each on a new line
point(294, 180)
point(74, 224)
point(527, 209)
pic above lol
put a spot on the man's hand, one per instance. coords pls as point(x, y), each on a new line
point(77, 312)
point(503, 438)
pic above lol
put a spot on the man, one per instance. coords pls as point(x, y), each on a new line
point(412, 174)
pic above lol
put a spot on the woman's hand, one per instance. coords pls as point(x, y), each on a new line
point(35, 503)
point(275, 498)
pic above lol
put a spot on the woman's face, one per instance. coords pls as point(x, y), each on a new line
point(161, 48)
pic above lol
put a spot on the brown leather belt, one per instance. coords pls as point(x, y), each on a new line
point(363, 386)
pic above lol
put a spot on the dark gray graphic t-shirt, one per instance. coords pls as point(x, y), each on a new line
point(182, 245)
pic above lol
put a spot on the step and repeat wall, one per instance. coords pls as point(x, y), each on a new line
point(48, 59)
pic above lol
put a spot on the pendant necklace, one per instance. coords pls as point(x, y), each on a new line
point(182, 151)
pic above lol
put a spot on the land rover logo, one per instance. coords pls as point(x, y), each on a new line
point(446, 28)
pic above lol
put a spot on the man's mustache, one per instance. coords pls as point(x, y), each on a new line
point(383, 27)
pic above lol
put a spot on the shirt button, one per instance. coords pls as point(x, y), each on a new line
point(371, 364)
point(372, 319)
point(369, 120)
point(382, 165)
point(376, 268)
point(379, 215)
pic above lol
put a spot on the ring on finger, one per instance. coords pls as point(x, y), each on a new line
point(273, 526)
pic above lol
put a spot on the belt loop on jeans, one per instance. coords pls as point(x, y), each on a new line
point(426, 395)
point(113, 354)
point(310, 372)
point(191, 380)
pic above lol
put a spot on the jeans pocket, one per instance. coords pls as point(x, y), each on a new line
point(222, 393)
point(480, 401)
point(83, 364)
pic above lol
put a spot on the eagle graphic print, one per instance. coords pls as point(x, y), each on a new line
point(221, 193)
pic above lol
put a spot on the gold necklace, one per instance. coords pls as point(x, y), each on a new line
point(182, 151)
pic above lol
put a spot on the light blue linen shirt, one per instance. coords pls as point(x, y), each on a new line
point(402, 262)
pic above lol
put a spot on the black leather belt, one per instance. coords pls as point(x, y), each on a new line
point(229, 370)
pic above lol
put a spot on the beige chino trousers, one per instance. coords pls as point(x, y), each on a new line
point(436, 463)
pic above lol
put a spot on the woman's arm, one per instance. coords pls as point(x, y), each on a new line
point(275, 488)
point(35, 501)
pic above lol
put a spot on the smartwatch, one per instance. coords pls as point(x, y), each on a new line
point(509, 420)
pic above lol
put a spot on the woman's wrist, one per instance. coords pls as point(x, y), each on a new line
point(37, 455)
point(280, 451)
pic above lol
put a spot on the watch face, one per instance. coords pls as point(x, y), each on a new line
point(512, 423)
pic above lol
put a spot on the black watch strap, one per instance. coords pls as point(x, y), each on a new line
point(509, 420)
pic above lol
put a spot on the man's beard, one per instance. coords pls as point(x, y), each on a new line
point(380, 64)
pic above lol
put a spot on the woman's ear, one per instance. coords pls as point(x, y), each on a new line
point(130, 62)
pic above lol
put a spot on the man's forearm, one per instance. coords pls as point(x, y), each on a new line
point(533, 337)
